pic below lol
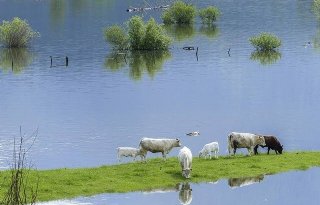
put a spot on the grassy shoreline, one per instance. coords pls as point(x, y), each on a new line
point(157, 174)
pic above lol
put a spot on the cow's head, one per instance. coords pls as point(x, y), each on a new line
point(261, 141)
point(177, 143)
point(280, 148)
point(186, 173)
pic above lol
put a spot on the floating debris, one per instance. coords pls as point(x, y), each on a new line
point(188, 48)
point(134, 9)
point(194, 133)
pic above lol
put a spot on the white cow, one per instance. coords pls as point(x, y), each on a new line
point(244, 140)
point(158, 145)
point(209, 149)
point(128, 152)
point(185, 159)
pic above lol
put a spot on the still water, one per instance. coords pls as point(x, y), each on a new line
point(289, 188)
point(101, 101)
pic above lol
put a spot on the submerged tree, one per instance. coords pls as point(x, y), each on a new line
point(16, 33)
point(179, 13)
point(140, 36)
point(209, 15)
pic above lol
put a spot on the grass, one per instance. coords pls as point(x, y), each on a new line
point(156, 174)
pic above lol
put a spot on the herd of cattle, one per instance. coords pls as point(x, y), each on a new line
point(235, 140)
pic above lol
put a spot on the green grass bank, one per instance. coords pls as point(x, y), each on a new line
point(157, 174)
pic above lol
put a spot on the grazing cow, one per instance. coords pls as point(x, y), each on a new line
point(244, 140)
point(158, 145)
point(208, 149)
point(185, 159)
point(272, 143)
point(244, 181)
point(185, 194)
point(128, 152)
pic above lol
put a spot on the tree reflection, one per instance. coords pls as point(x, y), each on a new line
point(139, 62)
point(211, 31)
point(15, 59)
point(57, 11)
point(180, 32)
point(266, 57)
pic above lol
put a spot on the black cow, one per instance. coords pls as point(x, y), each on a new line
point(272, 143)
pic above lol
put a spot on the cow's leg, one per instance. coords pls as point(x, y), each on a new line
point(268, 150)
point(256, 149)
point(276, 151)
point(249, 151)
point(234, 150)
point(229, 149)
point(164, 155)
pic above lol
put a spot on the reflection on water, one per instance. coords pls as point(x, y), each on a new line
point(15, 59)
point(139, 62)
point(272, 191)
point(181, 32)
point(265, 58)
point(244, 181)
point(211, 31)
point(185, 193)
point(57, 11)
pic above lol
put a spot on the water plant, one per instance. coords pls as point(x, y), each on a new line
point(15, 59)
point(179, 13)
point(16, 33)
point(265, 42)
point(316, 8)
point(117, 37)
point(140, 35)
point(209, 15)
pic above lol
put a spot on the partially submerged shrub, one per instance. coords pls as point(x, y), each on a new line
point(15, 59)
point(116, 36)
point(16, 33)
point(179, 13)
point(209, 15)
point(265, 42)
point(316, 8)
point(141, 36)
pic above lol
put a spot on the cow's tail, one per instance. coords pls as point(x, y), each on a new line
point(229, 143)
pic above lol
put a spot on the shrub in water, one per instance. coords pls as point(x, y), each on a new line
point(116, 36)
point(154, 38)
point(179, 13)
point(316, 8)
point(141, 36)
point(16, 33)
point(265, 42)
point(136, 32)
point(209, 15)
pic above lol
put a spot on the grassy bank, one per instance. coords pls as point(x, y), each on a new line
point(155, 174)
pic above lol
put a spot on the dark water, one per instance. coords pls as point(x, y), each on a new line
point(294, 187)
point(99, 102)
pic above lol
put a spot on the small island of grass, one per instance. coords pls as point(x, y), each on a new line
point(157, 174)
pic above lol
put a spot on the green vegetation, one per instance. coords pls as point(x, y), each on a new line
point(209, 15)
point(266, 57)
point(141, 36)
point(156, 173)
point(316, 8)
point(117, 37)
point(265, 42)
point(16, 33)
point(179, 13)
point(140, 62)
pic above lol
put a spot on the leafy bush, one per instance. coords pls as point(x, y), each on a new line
point(136, 32)
point(16, 33)
point(265, 42)
point(154, 38)
point(209, 15)
point(316, 8)
point(179, 13)
point(116, 36)
point(141, 36)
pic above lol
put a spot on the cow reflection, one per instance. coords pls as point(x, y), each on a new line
point(244, 181)
point(185, 193)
